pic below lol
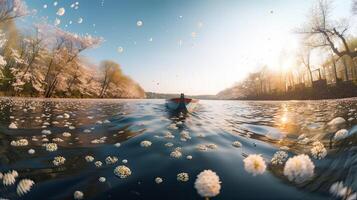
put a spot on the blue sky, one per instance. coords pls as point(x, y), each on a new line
point(197, 47)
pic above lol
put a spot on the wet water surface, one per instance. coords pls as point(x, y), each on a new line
point(201, 140)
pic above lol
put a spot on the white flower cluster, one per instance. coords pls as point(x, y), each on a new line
point(168, 135)
point(19, 143)
point(111, 160)
point(9, 178)
point(176, 154)
point(183, 177)
point(208, 184)
point(58, 160)
point(24, 186)
point(122, 171)
point(12, 125)
point(78, 195)
point(338, 189)
point(185, 135)
point(158, 180)
point(279, 158)
point(145, 143)
point(254, 164)
point(89, 158)
point(318, 151)
point(237, 144)
point(66, 134)
point(211, 146)
point(51, 147)
point(98, 163)
point(99, 141)
point(299, 168)
point(201, 147)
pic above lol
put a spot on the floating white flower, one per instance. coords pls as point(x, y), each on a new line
point(168, 135)
point(175, 154)
point(208, 184)
point(145, 143)
point(80, 20)
point(111, 160)
point(89, 158)
point(31, 151)
point(117, 144)
point(169, 144)
point(185, 135)
point(338, 189)
point(183, 177)
point(124, 161)
point(318, 151)
point(24, 186)
point(254, 164)
point(46, 132)
point(122, 171)
point(51, 147)
point(341, 134)
point(45, 6)
point(189, 157)
point(19, 143)
point(158, 180)
point(58, 160)
point(237, 144)
point(9, 178)
point(55, 3)
point(61, 11)
point(201, 147)
point(211, 146)
point(78, 195)
point(57, 140)
point(98, 163)
point(12, 126)
point(279, 158)
point(102, 179)
point(299, 168)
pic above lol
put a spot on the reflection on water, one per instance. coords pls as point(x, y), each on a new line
point(102, 128)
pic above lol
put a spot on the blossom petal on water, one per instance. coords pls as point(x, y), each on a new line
point(24, 186)
point(254, 164)
point(78, 195)
point(182, 177)
point(9, 178)
point(145, 143)
point(58, 160)
point(237, 144)
point(89, 158)
point(299, 168)
point(279, 158)
point(318, 151)
point(122, 171)
point(12, 126)
point(158, 180)
point(102, 179)
point(208, 184)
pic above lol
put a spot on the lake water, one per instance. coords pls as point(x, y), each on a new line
point(95, 126)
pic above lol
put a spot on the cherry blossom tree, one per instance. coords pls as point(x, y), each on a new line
point(11, 9)
point(65, 48)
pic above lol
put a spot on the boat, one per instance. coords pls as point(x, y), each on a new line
point(181, 104)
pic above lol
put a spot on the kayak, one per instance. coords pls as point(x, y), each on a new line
point(181, 104)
